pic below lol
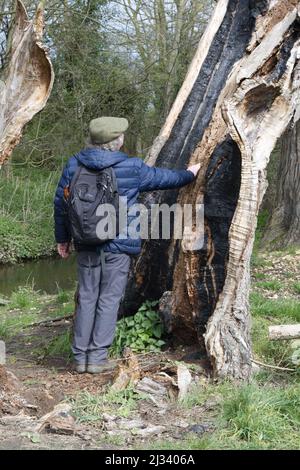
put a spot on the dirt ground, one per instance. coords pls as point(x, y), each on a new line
point(31, 388)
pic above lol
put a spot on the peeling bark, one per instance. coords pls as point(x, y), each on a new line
point(240, 94)
point(26, 81)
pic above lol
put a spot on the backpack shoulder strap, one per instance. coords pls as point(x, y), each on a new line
point(113, 179)
point(76, 174)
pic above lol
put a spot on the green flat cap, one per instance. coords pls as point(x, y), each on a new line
point(105, 129)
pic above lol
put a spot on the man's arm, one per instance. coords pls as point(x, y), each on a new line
point(62, 232)
point(161, 178)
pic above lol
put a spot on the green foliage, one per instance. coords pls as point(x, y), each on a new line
point(64, 296)
point(23, 298)
point(142, 332)
point(26, 221)
point(93, 78)
point(100, 69)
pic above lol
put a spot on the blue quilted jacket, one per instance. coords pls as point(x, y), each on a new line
point(133, 176)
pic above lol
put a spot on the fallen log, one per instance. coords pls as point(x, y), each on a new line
point(241, 93)
point(281, 332)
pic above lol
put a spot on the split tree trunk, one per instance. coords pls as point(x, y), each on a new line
point(240, 94)
point(26, 81)
point(284, 226)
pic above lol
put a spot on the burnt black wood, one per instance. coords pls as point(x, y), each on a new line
point(228, 46)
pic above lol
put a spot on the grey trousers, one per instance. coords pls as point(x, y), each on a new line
point(102, 281)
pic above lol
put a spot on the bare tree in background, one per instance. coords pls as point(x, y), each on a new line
point(164, 35)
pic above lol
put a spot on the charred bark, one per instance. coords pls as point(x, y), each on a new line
point(240, 93)
point(26, 80)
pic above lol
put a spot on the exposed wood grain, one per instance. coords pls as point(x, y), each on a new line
point(26, 81)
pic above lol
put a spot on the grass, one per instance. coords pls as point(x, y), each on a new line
point(22, 310)
point(287, 250)
point(26, 221)
point(12, 325)
point(258, 261)
point(266, 312)
point(271, 352)
point(274, 285)
point(63, 310)
point(252, 416)
point(89, 408)
point(64, 297)
point(259, 275)
point(60, 346)
point(260, 414)
point(27, 306)
point(24, 297)
point(262, 220)
point(276, 308)
point(296, 287)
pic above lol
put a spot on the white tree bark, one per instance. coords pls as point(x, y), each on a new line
point(256, 132)
point(27, 80)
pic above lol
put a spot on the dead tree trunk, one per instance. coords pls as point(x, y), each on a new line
point(284, 226)
point(241, 92)
point(26, 81)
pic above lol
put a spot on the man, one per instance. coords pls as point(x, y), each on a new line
point(102, 284)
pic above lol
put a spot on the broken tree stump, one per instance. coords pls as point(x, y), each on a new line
point(240, 94)
point(27, 80)
point(282, 332)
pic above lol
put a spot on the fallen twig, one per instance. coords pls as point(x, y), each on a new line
point(49, 321)
point(273, 367)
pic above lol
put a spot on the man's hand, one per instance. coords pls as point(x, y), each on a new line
point(63, 249)
point(194, 168)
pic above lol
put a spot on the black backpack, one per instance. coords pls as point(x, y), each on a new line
point(89, 190)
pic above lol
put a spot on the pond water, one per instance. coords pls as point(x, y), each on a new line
point(46, 275)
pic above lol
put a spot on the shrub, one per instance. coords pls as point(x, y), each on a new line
point(141, 332)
